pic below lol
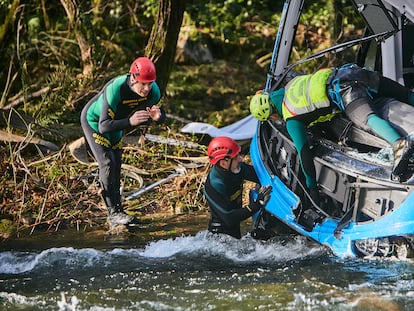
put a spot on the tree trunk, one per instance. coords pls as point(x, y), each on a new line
point(75, 24)
point(162, 43)
point(10, 16)
point(45, 15)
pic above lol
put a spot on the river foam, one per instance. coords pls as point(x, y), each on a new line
point(203, 244)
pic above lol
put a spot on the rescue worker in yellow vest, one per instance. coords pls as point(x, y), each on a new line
point(317, 97)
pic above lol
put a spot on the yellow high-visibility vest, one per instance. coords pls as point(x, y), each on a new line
point(305, 94)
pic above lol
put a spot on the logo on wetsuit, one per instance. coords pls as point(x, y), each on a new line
point(132, 103)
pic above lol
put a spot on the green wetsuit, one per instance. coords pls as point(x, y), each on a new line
point(104, 119)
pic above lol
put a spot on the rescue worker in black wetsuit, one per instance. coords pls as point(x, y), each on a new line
point(317, 97)
point(126, 101)
point(224, 187)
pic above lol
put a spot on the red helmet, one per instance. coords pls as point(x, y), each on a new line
point(222, 147)
point(143, 70)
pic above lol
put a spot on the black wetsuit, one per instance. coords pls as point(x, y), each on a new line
point(223, 191)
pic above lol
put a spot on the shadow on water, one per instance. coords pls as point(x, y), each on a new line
point(197, 271)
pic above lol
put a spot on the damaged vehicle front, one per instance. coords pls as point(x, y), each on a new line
point(364, 210)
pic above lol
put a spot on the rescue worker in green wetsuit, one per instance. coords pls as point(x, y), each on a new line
point(223, 188)
point(126, 101)
point(318, 97)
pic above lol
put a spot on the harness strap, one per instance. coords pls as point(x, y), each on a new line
point(334, 91)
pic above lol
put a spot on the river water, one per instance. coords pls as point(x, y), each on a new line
point(195, 272)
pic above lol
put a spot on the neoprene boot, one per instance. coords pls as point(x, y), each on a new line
point(117, 216)
point(403, 150)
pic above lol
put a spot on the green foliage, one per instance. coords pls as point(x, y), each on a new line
point(226, 19)
point(42, 50)
point(150, 8)
point(209, 90)
point(116, 30)
point(323, 24)
point(42, 53)
point(7, 227)
point(52, 107)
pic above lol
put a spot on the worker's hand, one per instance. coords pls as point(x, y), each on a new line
point(259, 199)
point(154, 112)
point(138, 117)
point(264, 194)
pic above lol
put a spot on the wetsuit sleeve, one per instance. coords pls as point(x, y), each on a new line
point(110, 101)
point(222, 207)
point(297, 132)
point(162, 117)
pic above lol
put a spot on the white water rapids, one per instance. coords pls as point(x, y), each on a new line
point(202, 272)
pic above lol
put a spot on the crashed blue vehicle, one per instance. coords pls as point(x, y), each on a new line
point(374, 214)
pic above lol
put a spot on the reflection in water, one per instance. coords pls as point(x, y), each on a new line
point(203, 272)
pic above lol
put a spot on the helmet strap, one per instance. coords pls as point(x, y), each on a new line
point(231, 162)
point(230, 165)
point(132, 80)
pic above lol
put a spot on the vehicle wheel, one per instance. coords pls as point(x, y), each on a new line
point(366, 247)
point(401, 250)
point(384, 248)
